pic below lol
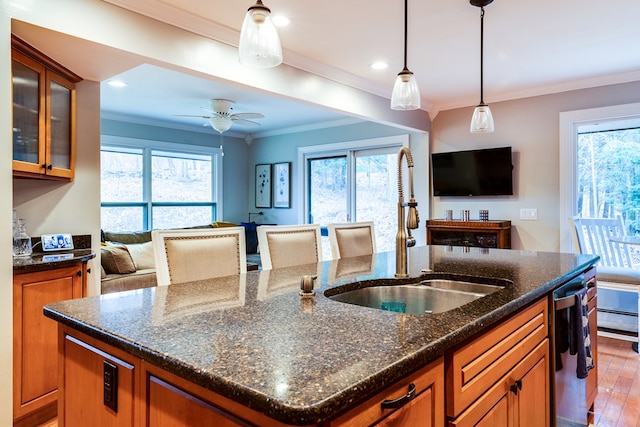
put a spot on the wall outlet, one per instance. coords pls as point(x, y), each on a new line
point(529, 214)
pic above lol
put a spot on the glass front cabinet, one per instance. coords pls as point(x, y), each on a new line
point(44, 101)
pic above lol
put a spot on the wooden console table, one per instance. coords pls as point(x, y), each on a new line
point(484, 234)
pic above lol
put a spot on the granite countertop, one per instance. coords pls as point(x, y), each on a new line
point(43, 261)
point(301, 360)
point(40, 260)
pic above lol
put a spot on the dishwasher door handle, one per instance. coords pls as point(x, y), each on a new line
point(566, 302)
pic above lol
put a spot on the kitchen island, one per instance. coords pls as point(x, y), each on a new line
point(253, 341)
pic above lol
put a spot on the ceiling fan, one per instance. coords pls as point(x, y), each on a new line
point(221, 118)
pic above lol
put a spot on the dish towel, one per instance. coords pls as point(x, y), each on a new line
point(580, 336)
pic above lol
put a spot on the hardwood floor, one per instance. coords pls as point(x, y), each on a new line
point(618, 401)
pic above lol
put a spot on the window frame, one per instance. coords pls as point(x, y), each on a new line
point(570, 123)
point(147, 147)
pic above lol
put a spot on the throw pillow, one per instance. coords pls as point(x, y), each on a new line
point(142, 255)
point(116, 259)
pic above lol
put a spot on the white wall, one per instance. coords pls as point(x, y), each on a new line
point(531, 127)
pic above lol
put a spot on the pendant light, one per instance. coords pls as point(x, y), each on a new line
point(405, 95)
point(259, 42)
point(482, 120)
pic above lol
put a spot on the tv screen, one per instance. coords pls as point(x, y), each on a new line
point(486, 172)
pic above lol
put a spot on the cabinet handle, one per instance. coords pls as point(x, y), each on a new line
point(50, 167)
point(79, 273)
point(401, 401)
point(44, 166)
point(514, 389)
point(519, 384)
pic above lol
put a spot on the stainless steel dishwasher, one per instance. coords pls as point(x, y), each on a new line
point(570, 392)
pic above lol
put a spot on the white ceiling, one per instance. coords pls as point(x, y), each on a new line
point(531, 48)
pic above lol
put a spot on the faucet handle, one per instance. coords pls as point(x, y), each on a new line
point(413, 219)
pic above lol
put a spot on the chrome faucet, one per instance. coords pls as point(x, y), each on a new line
point(405, 239)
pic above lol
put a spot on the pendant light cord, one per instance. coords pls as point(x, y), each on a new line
point(481, 55)
point(405, 33)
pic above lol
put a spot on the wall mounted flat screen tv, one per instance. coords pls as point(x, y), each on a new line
point(486, 172)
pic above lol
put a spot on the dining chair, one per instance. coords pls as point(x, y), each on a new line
point(288, 245)
point(195, 254)
point(349, 239)
point(615, 274)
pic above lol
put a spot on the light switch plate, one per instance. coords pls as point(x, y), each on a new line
point(529, 214)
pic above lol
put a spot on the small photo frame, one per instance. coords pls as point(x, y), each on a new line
point(56, 242)
point(263, 186)
point(282, 185)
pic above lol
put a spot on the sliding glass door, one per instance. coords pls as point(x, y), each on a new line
point(355, 185)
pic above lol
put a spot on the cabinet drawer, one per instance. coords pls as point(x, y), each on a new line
point(426, 409)
point(477, 365)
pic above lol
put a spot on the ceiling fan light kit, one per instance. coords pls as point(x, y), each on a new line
point(482, 120)
point(259, 41)
point(406, 94)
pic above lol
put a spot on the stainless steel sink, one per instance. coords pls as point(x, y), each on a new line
point(426, 296)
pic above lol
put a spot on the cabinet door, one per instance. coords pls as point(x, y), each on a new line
point(44, 102)
point(28, 114)
point(84, 372)
point(532, 406)
point(498, 416)
point(169, 405)
point(60, 126)
point(426, 408)
point(492, 409)
point(418, 412)
point(35, 336)
point(519, 399)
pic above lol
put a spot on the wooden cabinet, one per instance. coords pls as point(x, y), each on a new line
point(423, 405)
point(501, 378)
point(84, 371)
point(484, 234)
point(147, 395)
point(35, 337)
point(44, 103)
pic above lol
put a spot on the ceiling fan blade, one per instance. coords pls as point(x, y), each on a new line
point(248, 115)
point(191, 115)
point(243, 122)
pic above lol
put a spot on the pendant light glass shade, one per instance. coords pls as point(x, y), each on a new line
point(259, 42)
point(482, 120)
point(406, 95)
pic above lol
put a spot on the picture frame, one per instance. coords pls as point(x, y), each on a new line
point(263, 186)
point(282, 185)
point(56, 242)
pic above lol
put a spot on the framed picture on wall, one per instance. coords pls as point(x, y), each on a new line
point(263, 186)
point(282, 185)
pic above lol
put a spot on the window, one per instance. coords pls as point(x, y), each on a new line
point(354, 182)
point(596, 128)
point(608, 172)
point(160, 186)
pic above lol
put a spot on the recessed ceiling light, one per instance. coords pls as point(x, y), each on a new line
point(116, 83)
point(379, 65)
point(280, 21)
